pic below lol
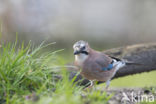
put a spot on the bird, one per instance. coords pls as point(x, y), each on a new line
point(95, 65)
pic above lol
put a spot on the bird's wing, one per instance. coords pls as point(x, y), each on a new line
point(104, 62)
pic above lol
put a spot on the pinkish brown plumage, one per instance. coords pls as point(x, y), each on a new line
point(91, 67)
point(92, 63)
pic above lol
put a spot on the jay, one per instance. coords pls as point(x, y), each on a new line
point(96, 65)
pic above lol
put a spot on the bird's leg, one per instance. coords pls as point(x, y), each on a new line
point(107, 84)
point(91, 85)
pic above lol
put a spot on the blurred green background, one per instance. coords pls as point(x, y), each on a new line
point(104, 24)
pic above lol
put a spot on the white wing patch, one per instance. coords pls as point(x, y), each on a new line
point(118, 64)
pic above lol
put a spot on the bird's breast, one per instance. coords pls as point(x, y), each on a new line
point(79, 59)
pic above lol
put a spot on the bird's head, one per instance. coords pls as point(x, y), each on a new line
point(81, 47)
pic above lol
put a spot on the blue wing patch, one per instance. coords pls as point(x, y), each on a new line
point(109, 67)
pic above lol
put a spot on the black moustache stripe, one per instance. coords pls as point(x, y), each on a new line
point(84, 52)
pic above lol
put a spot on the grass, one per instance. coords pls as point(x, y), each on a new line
point(22, 71)
point(28, 76)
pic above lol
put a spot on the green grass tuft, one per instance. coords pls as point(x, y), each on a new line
point(23, 70)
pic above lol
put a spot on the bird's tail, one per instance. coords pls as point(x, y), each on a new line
point(125, 62)
point(131, 63)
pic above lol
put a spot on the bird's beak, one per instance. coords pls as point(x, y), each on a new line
point(76, 52)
